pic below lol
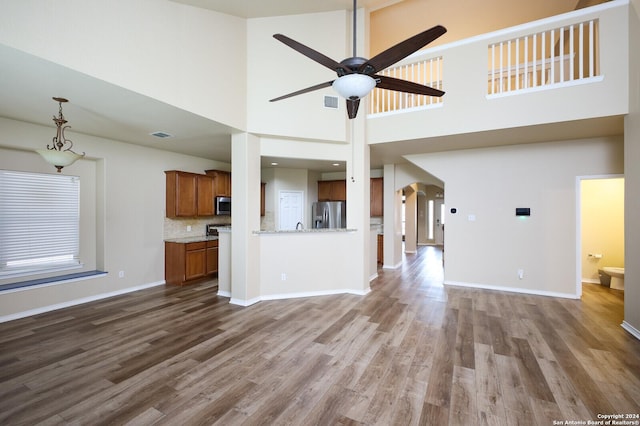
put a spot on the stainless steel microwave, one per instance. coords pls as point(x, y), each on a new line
point(223, 206)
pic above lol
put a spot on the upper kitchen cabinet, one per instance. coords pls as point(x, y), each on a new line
point(377, 197)
point(222, 182)
point(332, 190)
point(205, 199)
point(188, 194)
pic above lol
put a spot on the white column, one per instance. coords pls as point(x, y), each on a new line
point(410, 220)
point(245, 218)
point(358, 198)
point(392, 221)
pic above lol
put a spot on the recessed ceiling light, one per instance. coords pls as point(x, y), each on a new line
point(161, 135)
point(274, 163)
point(336, 164)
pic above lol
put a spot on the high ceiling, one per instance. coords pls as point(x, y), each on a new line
point(101, 109)
point(263, 8)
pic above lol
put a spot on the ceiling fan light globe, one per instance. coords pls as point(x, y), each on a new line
point(354, 86)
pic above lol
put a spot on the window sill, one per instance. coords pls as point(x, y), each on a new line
point(51, 280)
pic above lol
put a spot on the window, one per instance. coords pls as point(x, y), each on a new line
point(39, 223)
point(431, 218)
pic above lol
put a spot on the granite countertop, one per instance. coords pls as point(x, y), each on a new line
point(306, 231)
point(195, 239)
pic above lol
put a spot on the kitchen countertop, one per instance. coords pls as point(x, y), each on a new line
point(196, 239)
point(306, 231)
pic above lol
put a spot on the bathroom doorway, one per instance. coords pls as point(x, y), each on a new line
point(600, 226)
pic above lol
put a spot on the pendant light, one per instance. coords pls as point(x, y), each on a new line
point(60, 153)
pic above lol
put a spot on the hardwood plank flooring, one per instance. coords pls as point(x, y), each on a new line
point(412, 352)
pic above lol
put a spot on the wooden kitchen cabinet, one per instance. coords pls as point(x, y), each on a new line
point(186, 263)
point(332, 190)
point(188, 194)
point(222, 182)
point(181, 194)
point(377, 197)
point(195, 261)
point(205, 200)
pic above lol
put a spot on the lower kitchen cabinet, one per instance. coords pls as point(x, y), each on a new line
point(185, 263)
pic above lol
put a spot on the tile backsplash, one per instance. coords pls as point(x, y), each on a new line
point(177, 228)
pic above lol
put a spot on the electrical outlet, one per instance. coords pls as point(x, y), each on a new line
point(283, 276)
point(520, 274)
point(121, 274)
point(188, 228)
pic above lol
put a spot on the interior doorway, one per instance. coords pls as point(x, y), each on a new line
point(600, 226)
point(290, 209)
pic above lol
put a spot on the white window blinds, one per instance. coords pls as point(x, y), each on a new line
point(39, 222)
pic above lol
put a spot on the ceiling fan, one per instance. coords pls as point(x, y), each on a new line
point(357, 76)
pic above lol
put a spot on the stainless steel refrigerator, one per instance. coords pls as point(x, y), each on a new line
point(329, 214)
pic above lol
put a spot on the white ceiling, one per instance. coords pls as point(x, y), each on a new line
point(262, 8)
point(98, 108)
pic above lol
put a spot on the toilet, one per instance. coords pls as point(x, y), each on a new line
point(614, 275)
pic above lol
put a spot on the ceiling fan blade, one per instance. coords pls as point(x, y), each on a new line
point(396, 84)
point(301, 91)
point(352, 107)
point(401, 50)
point(312, 54)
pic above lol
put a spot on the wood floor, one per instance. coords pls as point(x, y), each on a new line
point(410, 352)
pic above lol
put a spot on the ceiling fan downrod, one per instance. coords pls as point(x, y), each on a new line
point(354, 27)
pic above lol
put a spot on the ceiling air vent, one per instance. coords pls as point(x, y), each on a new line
point(161, 135)
point(331, 102)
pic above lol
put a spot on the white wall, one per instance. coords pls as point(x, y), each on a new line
point(142, 46)
point(129, 211)
point(275, 69)
point(313, 264)
point(489, 184)
point(466, 107)
point(632, 178)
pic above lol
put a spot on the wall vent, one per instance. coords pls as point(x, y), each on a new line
point(161, 135)
point(331, 102)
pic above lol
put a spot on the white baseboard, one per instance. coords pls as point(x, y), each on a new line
point(513, 289)
point(283, 296)
point(396, 266)
point(631, 329)
point(224, 293)
point(591, 280)
point(373, 277)
point(75, 302)
point(242, 302)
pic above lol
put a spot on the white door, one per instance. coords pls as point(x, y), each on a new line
point(291, 209)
